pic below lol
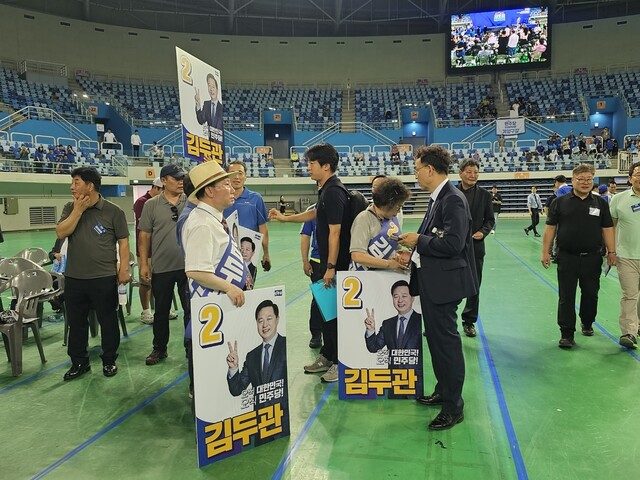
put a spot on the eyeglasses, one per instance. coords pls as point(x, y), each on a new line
point(583, 180)
point(174, 217)
point(420, 168)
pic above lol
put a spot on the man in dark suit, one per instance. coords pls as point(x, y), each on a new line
point(483, 221)
point(400, 332)
point(211, 112)
point(443, 272)
point(264, 364)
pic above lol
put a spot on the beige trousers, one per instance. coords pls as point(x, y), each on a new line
point(629, 275)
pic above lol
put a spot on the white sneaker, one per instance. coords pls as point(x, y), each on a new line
point(173, 315)
point(331, 375)
point(493, 232)
point(146, 318)
point(321, 364)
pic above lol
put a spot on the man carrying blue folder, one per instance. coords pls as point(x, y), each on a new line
point(333, 234)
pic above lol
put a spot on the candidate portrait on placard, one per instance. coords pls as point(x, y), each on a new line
point(380, 336)
point(201, 108)
point(249, 242)
point(398, 333)
point(264, 365)
point(240, 372)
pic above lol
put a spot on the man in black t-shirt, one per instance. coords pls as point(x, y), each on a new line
point(333, 234)
point(584, 226)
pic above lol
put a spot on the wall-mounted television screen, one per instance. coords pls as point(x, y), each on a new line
point(515, 39)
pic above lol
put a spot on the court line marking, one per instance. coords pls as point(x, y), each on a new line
point(35, 376)
point(286, 460)
point(109, 427)
point(117, 422)
point(518, 461)
point(555, 289)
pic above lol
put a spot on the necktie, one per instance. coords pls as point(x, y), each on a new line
point(213, 111)
point(401, 330)
point(265, 362)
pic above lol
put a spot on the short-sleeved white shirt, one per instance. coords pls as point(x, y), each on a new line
point(204, 239)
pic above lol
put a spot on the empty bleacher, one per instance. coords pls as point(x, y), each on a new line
point(19, 93)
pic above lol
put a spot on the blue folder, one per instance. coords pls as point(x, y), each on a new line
point(327, 299)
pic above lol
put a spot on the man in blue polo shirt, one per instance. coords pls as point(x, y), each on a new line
point(252, 212)
point(311, 268)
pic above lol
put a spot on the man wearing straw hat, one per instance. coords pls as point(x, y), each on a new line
point(212, 258)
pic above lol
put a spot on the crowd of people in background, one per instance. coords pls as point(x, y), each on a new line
point(523, 43)
point(55, 159)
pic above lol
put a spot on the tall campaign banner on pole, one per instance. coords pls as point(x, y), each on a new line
point(240, 371)
point(379, 336)
point(201, 108)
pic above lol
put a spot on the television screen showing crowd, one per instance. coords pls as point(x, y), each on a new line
point(499, 38)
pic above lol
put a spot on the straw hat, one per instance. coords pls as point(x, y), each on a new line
point(206, 173)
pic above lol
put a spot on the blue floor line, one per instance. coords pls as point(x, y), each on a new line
point(521, 469)
point(60, 365)
point(144, 403)
point(109, 427)
point(286, 460)
point(555, 289)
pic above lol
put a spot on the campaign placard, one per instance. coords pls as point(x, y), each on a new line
point(249, 242)
point(380, 338)
point(240, 371)
point(201, 108)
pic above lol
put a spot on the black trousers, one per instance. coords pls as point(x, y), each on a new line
point(162, 286)
point(535, 220)
point(81, 296)
point(315, 317)
point(329, 348)
point(136, 150)
point(472, 305)
point(445, 347)
point(574, 270)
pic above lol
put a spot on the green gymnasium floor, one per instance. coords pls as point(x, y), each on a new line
point(532, 410)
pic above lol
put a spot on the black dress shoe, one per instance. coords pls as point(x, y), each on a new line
point(566, 343)
point(444, 421)
point(109, 370)
point(76, 370)
point(469, 329)
point(433, 399)
point(587, 331)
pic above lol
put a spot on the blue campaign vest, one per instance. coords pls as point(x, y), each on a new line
point(381, 245)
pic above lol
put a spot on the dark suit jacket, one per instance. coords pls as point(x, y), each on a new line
point(204, 115)
point(447, 262)
point(251, 372)
point(387, 335)
point(483, 218)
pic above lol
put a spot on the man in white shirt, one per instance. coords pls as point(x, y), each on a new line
point(534, 204)
point(136, 141)
point(513, 43)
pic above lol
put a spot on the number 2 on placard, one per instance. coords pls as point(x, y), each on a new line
point(351, 298)
point(211, 318)
point(185, 72)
